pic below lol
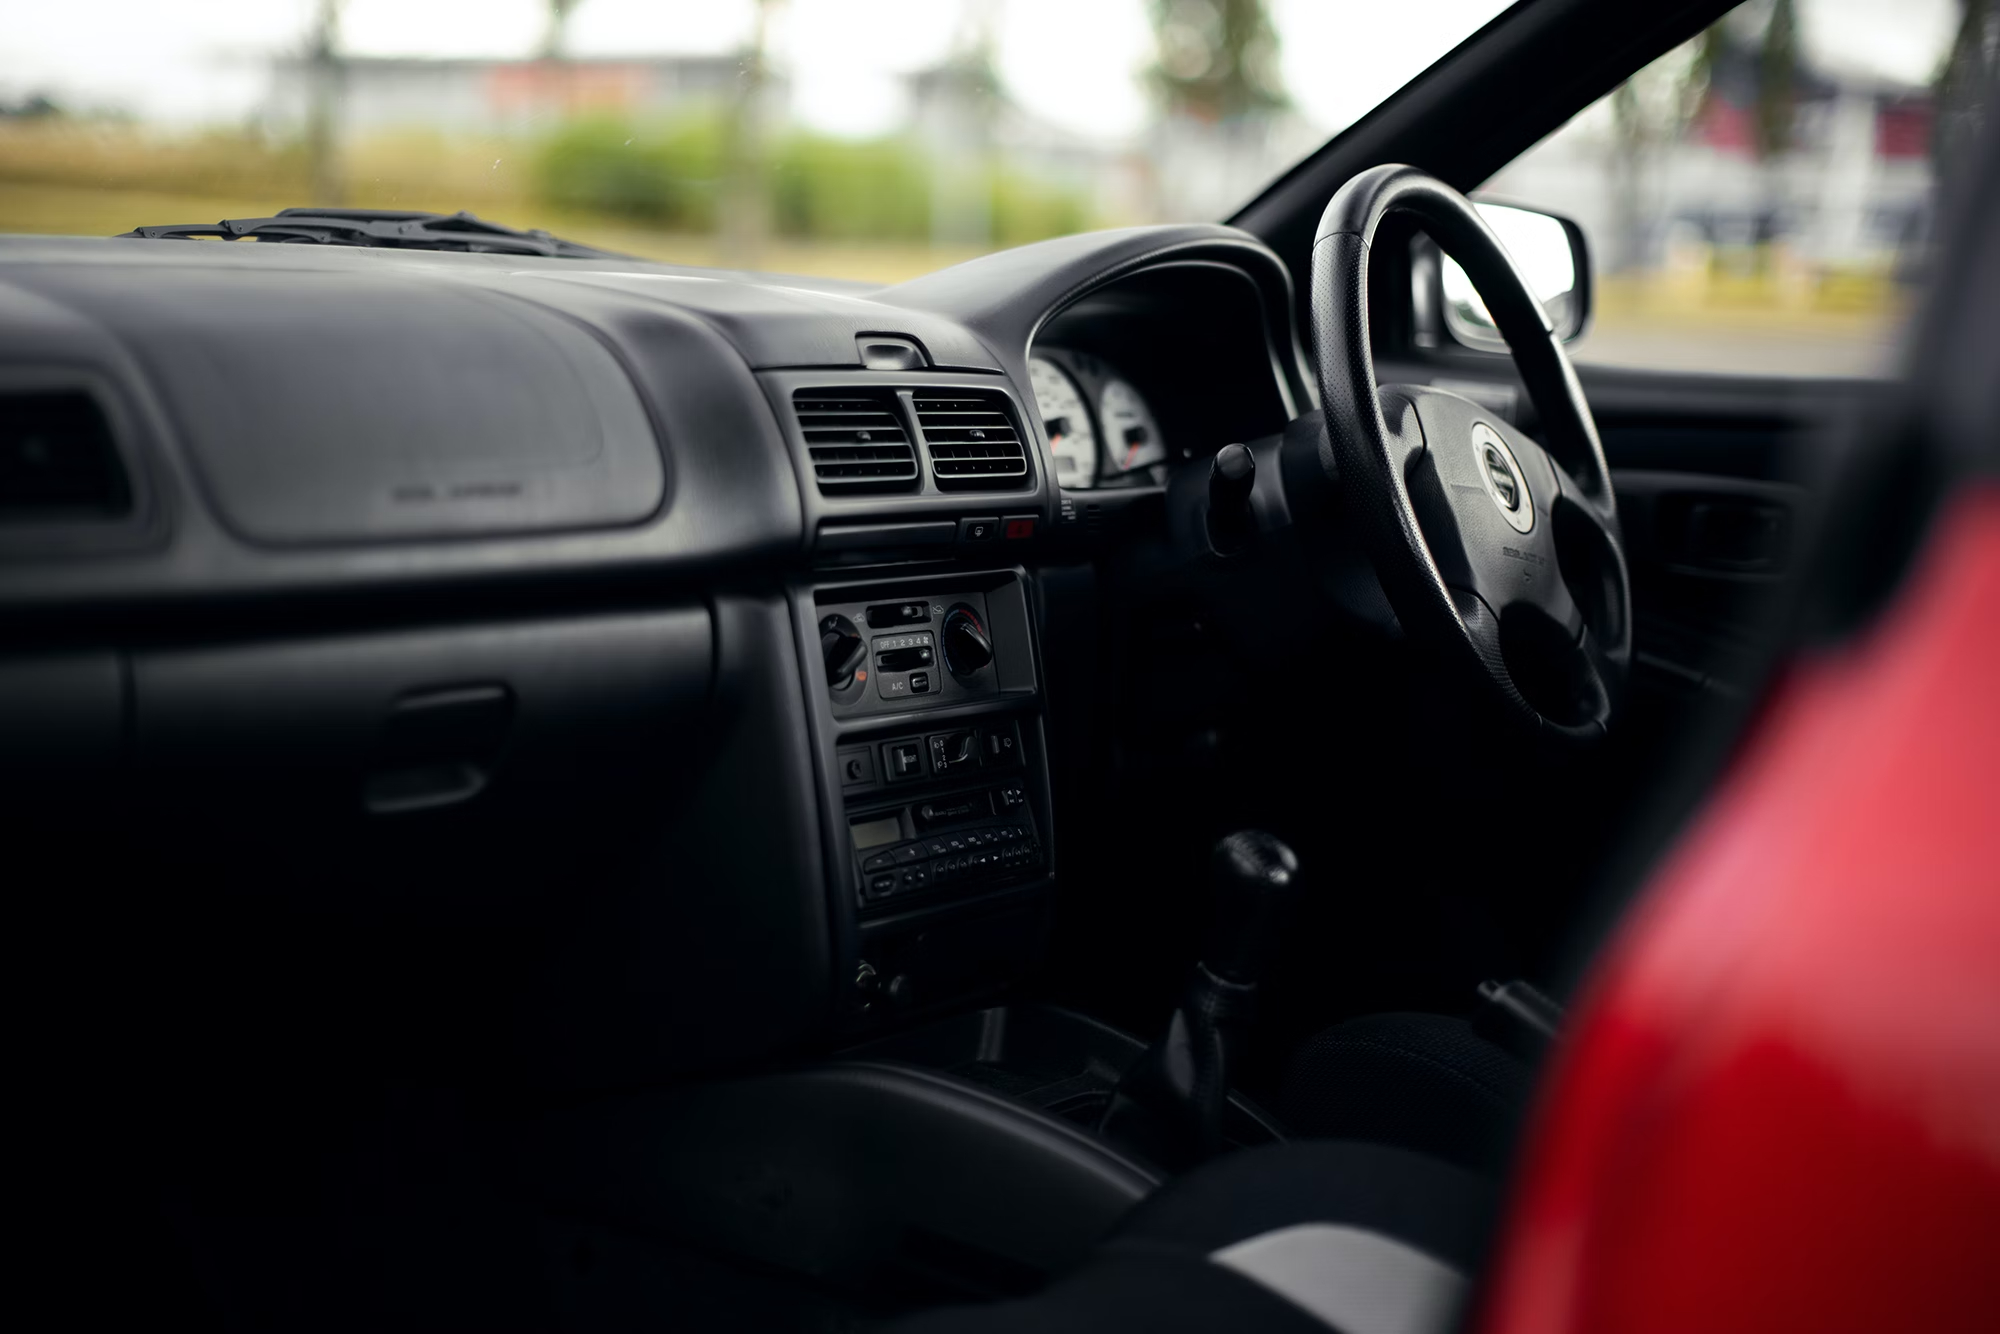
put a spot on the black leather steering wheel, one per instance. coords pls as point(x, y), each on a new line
point(1499, 556)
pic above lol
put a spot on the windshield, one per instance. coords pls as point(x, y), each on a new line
point(868, 139)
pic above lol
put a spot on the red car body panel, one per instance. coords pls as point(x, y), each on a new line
point(1781, 1106)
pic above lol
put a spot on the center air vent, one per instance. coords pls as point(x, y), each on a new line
point(856, 439)
point(971, 439)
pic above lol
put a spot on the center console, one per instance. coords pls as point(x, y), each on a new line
point(927, 713)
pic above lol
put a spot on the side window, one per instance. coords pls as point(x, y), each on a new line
point(1761, 199)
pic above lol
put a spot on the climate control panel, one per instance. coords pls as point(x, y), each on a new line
point(885, 654)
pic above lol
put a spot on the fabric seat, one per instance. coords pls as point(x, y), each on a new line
point(1426, 1082)
point(1287, 1239)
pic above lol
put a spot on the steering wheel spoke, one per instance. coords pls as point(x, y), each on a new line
point(1403, 432)
point(1602, 511)
point(1550, 597)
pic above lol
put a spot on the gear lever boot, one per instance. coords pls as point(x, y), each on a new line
point(1170, 1105)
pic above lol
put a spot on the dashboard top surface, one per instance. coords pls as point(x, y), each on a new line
point(327, 418)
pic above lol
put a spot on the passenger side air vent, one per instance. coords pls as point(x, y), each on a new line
point(971, 439)
point(856, 439)
point(57, 460)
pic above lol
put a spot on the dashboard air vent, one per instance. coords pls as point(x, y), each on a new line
point(971, 439)
point(57, 460)
point(856, 439)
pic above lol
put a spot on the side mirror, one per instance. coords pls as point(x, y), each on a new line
point(1549, 251)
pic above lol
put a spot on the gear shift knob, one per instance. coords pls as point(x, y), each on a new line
point(1253, 876)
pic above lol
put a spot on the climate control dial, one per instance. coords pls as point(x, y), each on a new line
point(841, 651)
point(967, 647)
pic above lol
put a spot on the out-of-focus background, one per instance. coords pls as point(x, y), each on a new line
point(1759, 200)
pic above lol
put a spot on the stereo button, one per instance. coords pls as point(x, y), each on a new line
point(879, 861)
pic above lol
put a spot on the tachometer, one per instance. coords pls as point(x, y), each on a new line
point(1132, 436)
point(1072, 435)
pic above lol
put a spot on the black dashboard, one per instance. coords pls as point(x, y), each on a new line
point(674, 624)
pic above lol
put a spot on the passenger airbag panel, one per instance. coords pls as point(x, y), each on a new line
point(347, 407)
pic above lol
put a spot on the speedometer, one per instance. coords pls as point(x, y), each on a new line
point(1072, 436)
point(1129, 428)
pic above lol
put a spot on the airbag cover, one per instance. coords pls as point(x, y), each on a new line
point(340, 407)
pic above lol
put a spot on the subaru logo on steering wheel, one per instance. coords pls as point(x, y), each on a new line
point(1502, 475)
point(1502, 479)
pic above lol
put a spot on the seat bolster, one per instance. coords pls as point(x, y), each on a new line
point(1286, 1239)
point(1356, 1282)
point(1433, 1206)
point(1132, 1291)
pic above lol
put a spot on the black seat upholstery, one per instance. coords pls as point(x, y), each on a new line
point(1297, 1237)
point(1425, 1082)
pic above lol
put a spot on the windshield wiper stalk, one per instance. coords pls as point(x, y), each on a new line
point(381, 228)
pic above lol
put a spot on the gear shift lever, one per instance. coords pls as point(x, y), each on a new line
point(1170, 1105)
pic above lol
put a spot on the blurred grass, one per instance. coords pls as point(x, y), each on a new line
point(1772, 289)
point(842, 210)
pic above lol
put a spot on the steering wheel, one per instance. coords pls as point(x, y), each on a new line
point(1500, 557)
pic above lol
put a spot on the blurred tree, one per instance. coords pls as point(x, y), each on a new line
point(35, 106)
point(959, 103)
point(661, 174)
point(1218, 59)
point(745, 216)
point(555, 36)
point(1778, 80)
point(1708, 50)
point(666, 174)
point(1650, 112)
point(323, 87)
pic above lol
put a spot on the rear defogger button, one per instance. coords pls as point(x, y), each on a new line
point(903, 759)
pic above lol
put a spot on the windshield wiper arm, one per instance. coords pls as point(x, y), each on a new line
point(378, 227)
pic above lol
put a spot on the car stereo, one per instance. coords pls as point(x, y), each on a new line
point(960, 841)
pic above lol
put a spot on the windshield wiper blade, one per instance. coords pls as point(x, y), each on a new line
point(378, 227)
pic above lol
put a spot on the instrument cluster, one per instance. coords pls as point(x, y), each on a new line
point(1100, 428)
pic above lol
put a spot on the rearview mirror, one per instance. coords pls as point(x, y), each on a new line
point(1550, 253)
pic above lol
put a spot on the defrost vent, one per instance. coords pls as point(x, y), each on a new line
point(971, 439)
point(856, 440)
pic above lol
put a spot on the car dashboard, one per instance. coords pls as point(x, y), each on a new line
point(675, 632)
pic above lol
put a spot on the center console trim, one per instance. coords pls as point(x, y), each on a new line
point(1020, 699)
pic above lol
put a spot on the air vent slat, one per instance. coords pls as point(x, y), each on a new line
point(971, 440)
point(857, 441)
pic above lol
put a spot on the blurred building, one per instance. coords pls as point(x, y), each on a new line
point(968, 125)
point(501, 96)
point(1849, 191)
point(1181, 167)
